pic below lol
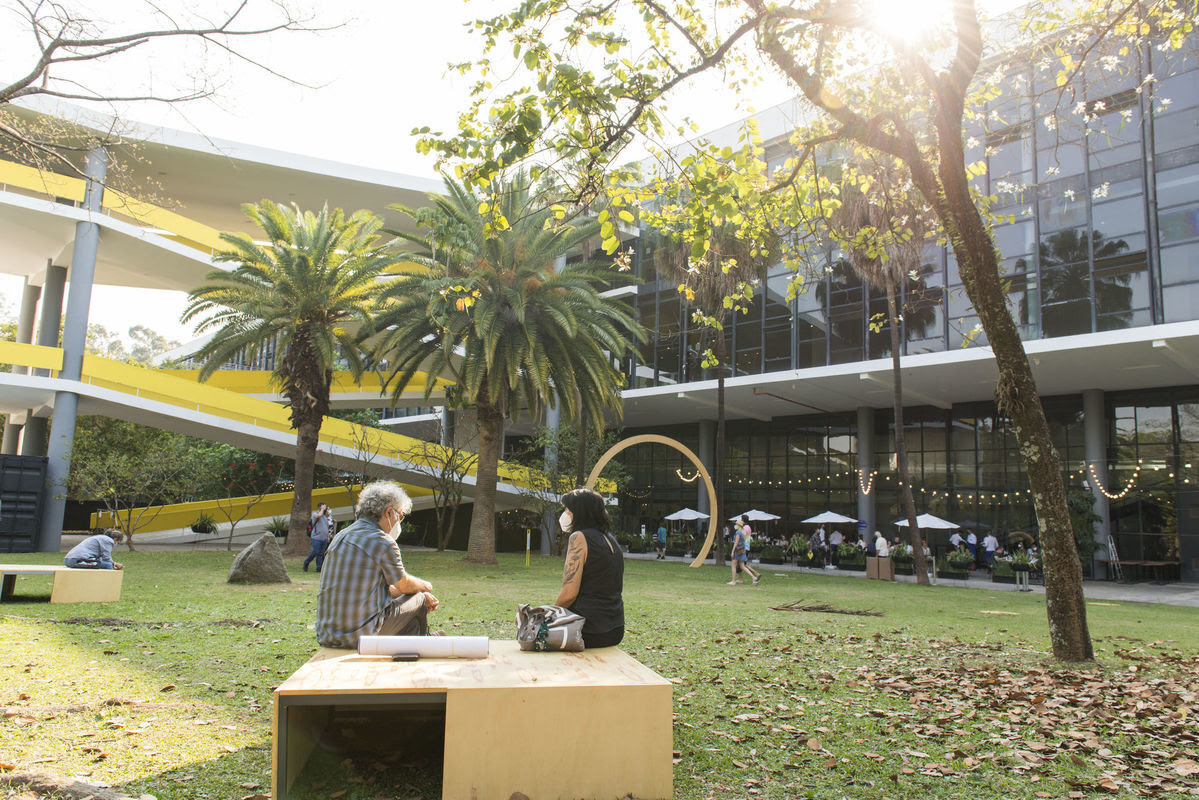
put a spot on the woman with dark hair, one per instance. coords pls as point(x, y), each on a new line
point(593, 578)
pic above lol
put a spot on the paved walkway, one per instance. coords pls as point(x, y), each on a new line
point(1172, 594)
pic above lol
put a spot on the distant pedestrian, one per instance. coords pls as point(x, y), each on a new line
point(881, 548)
point(972, 546)
point(319, 531)
point(660, 539)
point(990, 546)
point(835, 540)
point(955, 540)
point(741, 544)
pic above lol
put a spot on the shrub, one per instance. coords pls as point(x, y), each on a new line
point(204, 523)
point(278, 526)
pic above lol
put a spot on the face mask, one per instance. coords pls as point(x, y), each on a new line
point(566, 521)
point(395, 531)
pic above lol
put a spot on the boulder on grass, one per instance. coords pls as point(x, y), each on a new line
point(261, 562)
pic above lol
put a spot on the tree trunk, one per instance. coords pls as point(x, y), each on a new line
point(719, 456)
point(481, 547)
point(920, 566)
point(1016, 396)
point(307, 437)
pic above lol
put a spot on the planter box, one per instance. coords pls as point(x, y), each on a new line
point(771, 561)
point(960, 575)
point(1003, 578)
point(904, 570)
point(1021, 568)
point(852, 567)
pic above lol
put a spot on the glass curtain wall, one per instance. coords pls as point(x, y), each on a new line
point(1088, 238)
point(1158, 518)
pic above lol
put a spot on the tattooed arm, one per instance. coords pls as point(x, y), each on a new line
point(572, 573)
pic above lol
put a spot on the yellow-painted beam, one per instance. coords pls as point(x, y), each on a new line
point(36, 180)
point(253, 381)
point(278, 504)
point(185, 230)
point(34, 356)
point(157, 385)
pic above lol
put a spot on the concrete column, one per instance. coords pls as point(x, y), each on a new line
point(33, 438)
point(29, 300)
point(553, 420)
point(707, 454)
point(51, 319)
point(1094, 419)
point(74, 338)
point(865, 466)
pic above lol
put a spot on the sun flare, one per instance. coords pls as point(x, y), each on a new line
point(906, 20)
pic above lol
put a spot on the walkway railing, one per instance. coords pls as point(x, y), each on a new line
point(189, 395)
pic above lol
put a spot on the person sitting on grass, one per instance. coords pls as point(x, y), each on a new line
point(95, 552)
point(365, 590)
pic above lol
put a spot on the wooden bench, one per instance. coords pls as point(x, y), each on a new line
point(70, 585)
point(596, 724)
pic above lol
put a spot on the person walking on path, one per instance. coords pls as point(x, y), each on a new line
point(319, 530)
point(741, 544)
point(660, 539)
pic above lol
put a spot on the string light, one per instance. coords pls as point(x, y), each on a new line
point(1127, 488)
point(684, 478)
point(867, 486)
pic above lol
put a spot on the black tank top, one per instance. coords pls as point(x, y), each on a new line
point(599, 599)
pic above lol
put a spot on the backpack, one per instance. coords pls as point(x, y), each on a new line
point(309, 531)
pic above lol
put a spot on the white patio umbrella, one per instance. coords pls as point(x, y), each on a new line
point(829, 518)
point(755, 515)
point(687, 514)
point(930, 521)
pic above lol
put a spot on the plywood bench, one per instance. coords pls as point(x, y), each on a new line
point(595, 724)
point(70, 585)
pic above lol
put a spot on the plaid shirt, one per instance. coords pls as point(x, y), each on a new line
point(362, 561)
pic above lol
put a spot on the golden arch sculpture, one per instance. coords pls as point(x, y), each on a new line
point(653, 438)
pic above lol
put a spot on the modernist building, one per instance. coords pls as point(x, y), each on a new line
point(1103, 263)
point(1102, 258)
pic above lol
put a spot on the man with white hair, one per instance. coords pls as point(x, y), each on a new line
point(365, 590)
point(95, 552)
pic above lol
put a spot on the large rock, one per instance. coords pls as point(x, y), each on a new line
point(261, 562)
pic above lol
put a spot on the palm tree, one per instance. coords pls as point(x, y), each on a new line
point(882, 227)
point(706, 282)
point(306, 292)
point(490, 311)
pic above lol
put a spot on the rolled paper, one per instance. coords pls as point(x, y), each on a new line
point(424, 646)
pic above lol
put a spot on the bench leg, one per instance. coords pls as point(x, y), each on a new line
point(6, 590)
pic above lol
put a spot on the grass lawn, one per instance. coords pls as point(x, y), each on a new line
point(948, 694)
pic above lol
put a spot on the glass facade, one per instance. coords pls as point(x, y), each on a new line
point(1102, 184)
point(1097, 188)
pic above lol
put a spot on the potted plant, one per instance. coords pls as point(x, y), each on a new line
point(1002, 571)
point(771, 554)
point(277, 527)
point(901, 556)
point(851, 558)
point(1021, 561)
point(204, 523)
point(960, 559)
point(797, 548)
point(636, 543)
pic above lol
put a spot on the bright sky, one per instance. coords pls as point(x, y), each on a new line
point(374, 79)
